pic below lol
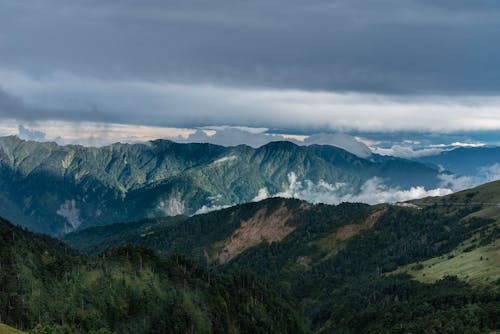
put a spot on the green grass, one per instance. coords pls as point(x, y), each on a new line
point(479, 266)
point(4, 329)
point(492, 212)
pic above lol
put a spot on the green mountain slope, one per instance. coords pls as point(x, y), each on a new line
point(58, 189)
point(349, 267)
point(46, 285)
point(4, 329)
point(476, 259)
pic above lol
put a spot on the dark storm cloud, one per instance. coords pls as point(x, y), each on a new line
point(13, 107)
point(386, 46)
point(10, 105)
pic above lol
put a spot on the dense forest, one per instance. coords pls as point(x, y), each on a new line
point(278, 265)
point(46, 287)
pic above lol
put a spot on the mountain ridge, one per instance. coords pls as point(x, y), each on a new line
point(58, 189)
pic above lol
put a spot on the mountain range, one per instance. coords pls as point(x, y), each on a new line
point(57, 189)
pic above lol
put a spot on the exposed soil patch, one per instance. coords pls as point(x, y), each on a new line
point(348, 231)
point(333, 242)
point(262, 227)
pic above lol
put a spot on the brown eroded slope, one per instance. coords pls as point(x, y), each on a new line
point(332, 241)
point(261, 227)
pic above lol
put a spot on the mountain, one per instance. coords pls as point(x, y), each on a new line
point(49, 288)
point(342, 140)
point(57, 189)
point(473, 161)
point(231, 136)
point(425, 266)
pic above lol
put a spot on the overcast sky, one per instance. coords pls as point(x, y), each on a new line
point(291, 65)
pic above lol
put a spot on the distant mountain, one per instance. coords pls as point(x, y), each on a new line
point(231, 136)
point(352, 268)
point(49, 288)
point(473, 161)
point(58, 189)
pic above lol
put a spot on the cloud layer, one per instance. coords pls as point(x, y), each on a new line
point(66, 96)
point(356, 45)
point(306, 66)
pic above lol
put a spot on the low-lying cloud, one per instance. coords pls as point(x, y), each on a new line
point(210, 208)
point(372, 191)
point(490, 173)
point(484, 174)
point(407, 152)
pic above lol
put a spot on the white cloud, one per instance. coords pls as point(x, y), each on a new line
point(460, 144)
point(490, 173)
point(261, 195)
point(372, 191)
point(207, 209)
point(457, 182)
point(71, 213)
point(461, 182)
point(410, 149)
point(219, 128)
point(407, 152)
point(226, 159)
point(89, 133)
point(29, 134)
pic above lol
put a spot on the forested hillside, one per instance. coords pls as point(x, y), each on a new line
point(48, 288)
point(58, 189)
point(352, 268)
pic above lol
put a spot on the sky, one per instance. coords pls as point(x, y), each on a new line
point(400, 75)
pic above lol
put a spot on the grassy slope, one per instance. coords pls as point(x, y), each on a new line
point(472, 261)
point(4, 329)
point(479, 266)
